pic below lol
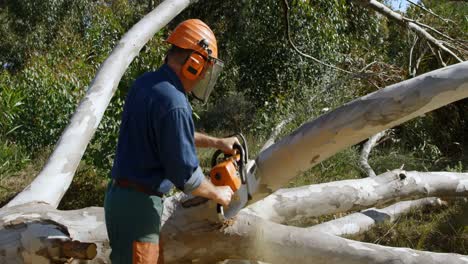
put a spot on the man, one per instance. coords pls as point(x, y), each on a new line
point(156, 147)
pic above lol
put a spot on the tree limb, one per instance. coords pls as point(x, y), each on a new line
point(296, 204)
point(291, 43)
point(409, 23)
point(349, 124)
point(360, 222)
point(365, 152)
point(430, 12)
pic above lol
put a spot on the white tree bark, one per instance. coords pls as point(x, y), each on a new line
point(351, 123)
point(194, 234)
point(294, 204)
point(55, 178)
point(365, 152)
point(358, 223)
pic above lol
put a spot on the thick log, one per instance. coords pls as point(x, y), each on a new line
point(55, 178)
point(295, 204)
point(352, 123)
point(38, 233)
point(194, 235)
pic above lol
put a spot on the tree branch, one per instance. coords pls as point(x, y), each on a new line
point(409, 23)
point(365, 152)
point(430, 12)
point(297, 204)
point(360, 222)
point(276, 131)
point(352, 123)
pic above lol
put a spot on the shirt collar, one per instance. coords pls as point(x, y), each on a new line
point(173, 77)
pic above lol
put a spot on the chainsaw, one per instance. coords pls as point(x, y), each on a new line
point(231, 170)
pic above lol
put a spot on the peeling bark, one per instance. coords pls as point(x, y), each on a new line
point(55, 178)
point(191, 237)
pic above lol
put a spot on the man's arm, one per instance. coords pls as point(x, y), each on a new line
point(220, 194)
point(224, 144)
point(180, 159)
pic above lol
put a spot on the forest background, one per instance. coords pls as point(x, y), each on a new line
point(51, 49)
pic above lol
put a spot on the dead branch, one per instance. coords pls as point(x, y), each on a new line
point(296, 204)
point(430, 12)
point(365, 152)
point(406, 22)
point(358, 223)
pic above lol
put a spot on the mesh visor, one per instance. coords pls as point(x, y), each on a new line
point(204, 87)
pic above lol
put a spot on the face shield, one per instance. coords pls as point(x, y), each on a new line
point(205, 85)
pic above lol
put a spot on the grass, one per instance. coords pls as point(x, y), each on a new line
point(443, 229)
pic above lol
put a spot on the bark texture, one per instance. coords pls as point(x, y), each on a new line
point(195, 234)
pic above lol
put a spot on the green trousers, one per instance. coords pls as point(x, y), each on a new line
point(133, 221)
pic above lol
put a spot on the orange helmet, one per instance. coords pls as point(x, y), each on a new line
point(195, 35)
point(203, 65)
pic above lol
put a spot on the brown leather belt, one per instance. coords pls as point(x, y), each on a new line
point(124, 183)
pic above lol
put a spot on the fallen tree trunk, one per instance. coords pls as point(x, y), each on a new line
point(191, 234)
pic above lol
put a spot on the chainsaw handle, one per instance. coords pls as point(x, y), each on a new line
point(238, 147)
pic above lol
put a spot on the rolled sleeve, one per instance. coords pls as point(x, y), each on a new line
point(194, 181)
point(177, 149)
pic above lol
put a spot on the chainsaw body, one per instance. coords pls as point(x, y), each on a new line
point(230, 170)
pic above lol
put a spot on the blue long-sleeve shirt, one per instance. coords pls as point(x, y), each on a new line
point(156, 145)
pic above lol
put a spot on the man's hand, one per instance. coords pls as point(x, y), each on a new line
point(224, 144)
point(223, 195)
point(219, 194)
point(227, 145)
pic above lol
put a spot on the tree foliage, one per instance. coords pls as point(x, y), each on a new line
point(49, 57)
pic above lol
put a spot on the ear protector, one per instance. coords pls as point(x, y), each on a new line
point(193, 66)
